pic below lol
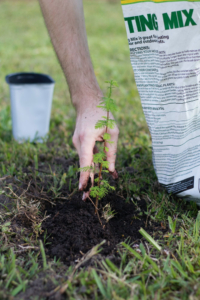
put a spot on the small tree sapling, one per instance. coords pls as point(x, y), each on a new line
point(102, 186)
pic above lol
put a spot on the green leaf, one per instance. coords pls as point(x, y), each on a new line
point(102, 190)
point(132, 251)
point(99, 284)
point(109, 104)
point(19, 288)
point(101, 124)
point(110, 142)
point(6, 208)
point(177, 265)
point(105, 164)
point(106, 149)
point(7, 224)
point(86, 169)
point(99, 191)
point(43, 255)
point(115, 83)
point(99, 157)
point(111, 123)
point(11, 275)
point(172, 225)
point(101, 106)
point(106, 136)
point(112, 266)
point(154, 265)
point(150, 239)
point(112, 82)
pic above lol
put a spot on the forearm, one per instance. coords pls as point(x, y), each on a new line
point(65, 22)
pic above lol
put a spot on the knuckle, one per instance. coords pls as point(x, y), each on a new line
point(82, 136)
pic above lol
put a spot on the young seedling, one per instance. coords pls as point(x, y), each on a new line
point(102, 186)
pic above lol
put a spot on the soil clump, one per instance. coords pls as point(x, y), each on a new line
point(73, 228)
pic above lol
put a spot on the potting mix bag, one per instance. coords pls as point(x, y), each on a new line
point(164, 41)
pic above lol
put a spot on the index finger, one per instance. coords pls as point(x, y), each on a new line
point(85, 159)
point(112, 148)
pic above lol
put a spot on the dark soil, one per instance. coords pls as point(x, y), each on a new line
point(73, 228)
point(40, 288)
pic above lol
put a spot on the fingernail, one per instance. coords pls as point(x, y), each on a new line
point(80, 186)
point(112, 167)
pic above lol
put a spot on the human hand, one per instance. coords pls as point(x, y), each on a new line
point(84, 139)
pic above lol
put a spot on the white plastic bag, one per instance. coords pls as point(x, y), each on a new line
point(164, 41)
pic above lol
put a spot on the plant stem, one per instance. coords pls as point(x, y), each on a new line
point(100, 171)
point(97, 198)
point(96, 210)
point(107, 120)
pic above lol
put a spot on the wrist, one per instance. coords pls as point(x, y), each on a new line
point(86, 99)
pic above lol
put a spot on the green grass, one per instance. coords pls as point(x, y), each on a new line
point(145, 272)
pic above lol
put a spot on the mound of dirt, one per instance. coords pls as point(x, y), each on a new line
point(73, 228)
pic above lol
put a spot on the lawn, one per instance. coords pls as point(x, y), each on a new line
point(42, 217)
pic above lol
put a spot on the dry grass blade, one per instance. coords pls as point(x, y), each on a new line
point(28, 210)
point(5, 177)
point(34, 196)
point(117, 279)
point(70, 195)
point(23, 249)
point(108, 213)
